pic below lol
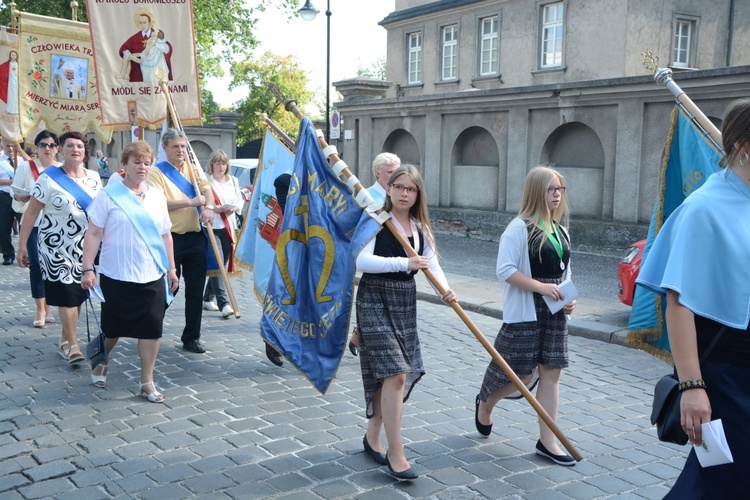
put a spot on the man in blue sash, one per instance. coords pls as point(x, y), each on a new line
point(6, 199)
point(176, 178)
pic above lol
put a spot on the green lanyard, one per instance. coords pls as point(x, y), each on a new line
point(556, 241)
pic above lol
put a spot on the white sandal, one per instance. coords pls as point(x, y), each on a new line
point(154, 397)
point(65, 353)
point(76, 357)
point(100, 380)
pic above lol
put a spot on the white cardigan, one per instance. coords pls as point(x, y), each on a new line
point(512, 256)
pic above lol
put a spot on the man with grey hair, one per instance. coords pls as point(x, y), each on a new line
point(382, 167)
point(7, 215)
point(176, 178)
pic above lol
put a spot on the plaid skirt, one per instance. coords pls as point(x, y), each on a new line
point(388, 338)
point(526, 345)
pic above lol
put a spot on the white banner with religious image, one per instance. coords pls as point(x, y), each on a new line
point(137, 45)
point(9, 87)
point(56, 79)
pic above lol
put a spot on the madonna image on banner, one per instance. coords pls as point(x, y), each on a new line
point(138, 49)
point(69, 77)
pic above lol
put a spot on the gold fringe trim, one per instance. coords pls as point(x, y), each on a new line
point(53, 27)
point(217, 273)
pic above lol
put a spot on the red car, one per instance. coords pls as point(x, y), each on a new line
point(627, 271)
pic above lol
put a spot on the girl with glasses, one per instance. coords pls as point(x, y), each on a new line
point(533, 259)
point(390, 355)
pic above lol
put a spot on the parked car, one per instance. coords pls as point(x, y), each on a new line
point(244, 169)
point(627, 271)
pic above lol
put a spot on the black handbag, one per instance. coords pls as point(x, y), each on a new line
point(96, 351)
point(665, 411)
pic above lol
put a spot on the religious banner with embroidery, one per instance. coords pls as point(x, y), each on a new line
point(9, 87)
point(138, 46)
point(56, 77)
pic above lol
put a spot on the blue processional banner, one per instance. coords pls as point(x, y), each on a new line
point(308, 301)
point(688, 160)
point(256, 245)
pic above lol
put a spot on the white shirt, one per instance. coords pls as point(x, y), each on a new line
point(124, 255)
point(25, 180)
point(229, 194)
point(512, 256)
point(5, 174)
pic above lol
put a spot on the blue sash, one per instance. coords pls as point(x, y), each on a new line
point(188, 190)
point(6, 166)
point(177, 179)
point(59, 176)
point(144, 225)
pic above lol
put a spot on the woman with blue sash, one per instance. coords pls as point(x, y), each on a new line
point(62, 195)
point(699, 261)
point(136, 267)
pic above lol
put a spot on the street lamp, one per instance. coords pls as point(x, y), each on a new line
point(308, 13)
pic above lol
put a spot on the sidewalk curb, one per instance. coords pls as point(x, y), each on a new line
point(578, 327)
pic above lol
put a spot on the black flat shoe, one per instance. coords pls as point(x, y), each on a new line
point(404, 474)
point(565, 460)
point(484, 430)
point(353, 349)
point(195, 346)
point(375, 455)
point(273, 356)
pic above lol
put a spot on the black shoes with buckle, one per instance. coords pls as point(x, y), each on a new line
point(565, 460)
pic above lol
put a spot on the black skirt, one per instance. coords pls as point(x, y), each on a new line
point(62, 294)
point(133, 310)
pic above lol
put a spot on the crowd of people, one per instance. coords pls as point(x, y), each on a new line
point(136, 238)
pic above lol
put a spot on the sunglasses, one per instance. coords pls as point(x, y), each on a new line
point(46, 145)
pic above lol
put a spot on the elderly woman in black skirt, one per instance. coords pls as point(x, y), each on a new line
point(131, 222)
point(390, 355)
point(533, 259)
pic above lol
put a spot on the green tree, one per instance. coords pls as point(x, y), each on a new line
point(224, 29)
point(284, 72)
point(376, 69)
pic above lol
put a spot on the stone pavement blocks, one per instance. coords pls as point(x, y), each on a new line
point(250, 473)
point(281, 447)
point(580, 490)
point(380, 494)
point(135, 450)
point(609, 484)
point(174, 441)
point(212, 464)
point(46, 489)
point(172, 473)
point(335, 489)
point(135, 466)
point(45, 455)
point(325, 471)
point(88, 492)
point(288, 482)
point(208, 483)
point(211, 448)
point(637, 477)
point(51, 470)
point(171, 491)
point(486, 470)
point(250, 490)
point(249, 454)
point(102, 443)
point(529, 481)
point(12, 481)
point(13, 450)
point(495, 488)
point(442, 461)
point(451, 476)
point(419, 488)
point(317, 438)
point(545, 494)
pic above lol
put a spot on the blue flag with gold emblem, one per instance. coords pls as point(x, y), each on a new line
point(688, 160)
point(308, 301)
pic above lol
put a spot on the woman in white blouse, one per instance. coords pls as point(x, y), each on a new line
point(228, 202)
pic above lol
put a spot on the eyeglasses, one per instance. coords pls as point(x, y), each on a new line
point(553, 190)
point(46, 145)
point(401, 188)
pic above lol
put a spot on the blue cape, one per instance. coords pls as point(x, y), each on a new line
point(702, 252)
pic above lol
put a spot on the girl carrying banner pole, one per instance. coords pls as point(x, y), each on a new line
point(291, 106)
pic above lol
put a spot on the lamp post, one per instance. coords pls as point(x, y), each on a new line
point(308, 12)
